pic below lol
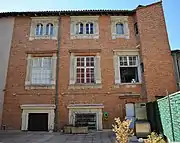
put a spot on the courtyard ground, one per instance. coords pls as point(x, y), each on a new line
point(45, 137)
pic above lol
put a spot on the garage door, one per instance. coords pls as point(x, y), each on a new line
point(38, 122)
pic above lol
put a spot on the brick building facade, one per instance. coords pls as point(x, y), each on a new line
point(85, 62)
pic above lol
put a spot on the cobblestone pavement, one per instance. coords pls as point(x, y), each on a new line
point(44, 137)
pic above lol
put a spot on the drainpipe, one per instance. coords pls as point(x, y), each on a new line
point(56, 119)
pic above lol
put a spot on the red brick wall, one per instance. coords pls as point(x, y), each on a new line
point(112, 103)
point(155, 54)
point(16, 94)
point(155, 51)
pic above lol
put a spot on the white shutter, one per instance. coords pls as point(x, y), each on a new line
point(73, 64)
point(28, 70)
point(97, 70)
point(126, 30)
point(116, 69)
point(54, 60)
point(96, 28)
point(73, 28)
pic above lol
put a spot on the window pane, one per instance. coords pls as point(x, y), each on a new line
point(129, 74)
point(87, 28)
point(51, 30)
point(119, 28)
point(91, 28)
point(123, 60)
point(132, 60)
point(90, 75)
point(41, 71)
point(39, 29)
point(79, 28)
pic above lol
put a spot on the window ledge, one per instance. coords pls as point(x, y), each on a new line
point(115, 36)
point(40, 86)
point(85, 36)
point(128, 85)
point(84, 86)
point(42, 37)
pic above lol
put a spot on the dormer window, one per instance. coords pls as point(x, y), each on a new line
point(49, 29)
point(39, 29)
point(84, 27)
point(79, 28)
point(119, 28)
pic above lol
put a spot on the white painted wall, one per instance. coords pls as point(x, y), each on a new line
point(6, 30)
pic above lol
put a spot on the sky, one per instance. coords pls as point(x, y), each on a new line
point(171, 10)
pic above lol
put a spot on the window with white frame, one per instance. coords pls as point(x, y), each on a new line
point(79, 28)
point(84, 27)
point(44, 28)
point(85, 70)
point(39, 29)
point(49, 29)
point(41, 70)
point(89, 28)
point(119, 28)
point(128, 67)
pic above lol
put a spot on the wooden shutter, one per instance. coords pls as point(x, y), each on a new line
point(28, 70)
point(116, 69)
point(97, 70)
point(73, 61)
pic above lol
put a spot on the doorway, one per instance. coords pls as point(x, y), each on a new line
point(38, 122)
point(87, 120)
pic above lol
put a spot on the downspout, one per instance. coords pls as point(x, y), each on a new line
point(56, 119)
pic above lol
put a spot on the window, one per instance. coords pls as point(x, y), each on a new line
point(85, 70)
point(119, 28)
point(128, 67)
point(84, 27)
point(49, 29)
point(89, 28)
point(136, 29)
point(39, 29)
point(41, 71)
point(79, 28)
point(44, 28)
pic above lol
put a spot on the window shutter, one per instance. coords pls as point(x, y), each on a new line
point(73, 28)
point(113, 28)
point(28, 70)
point(54, 60)
point(73, 69)
point(96, 28)
point(97, 70)
point(116, 69)
point(126, 30)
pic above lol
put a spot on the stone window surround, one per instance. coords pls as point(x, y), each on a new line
point(37, 108)
point(87, 108)
point(84, 20)
point(44, 21)
point(28, 84)
point(122, 52)
point(119, 19)
point(72, 80)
